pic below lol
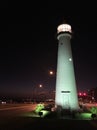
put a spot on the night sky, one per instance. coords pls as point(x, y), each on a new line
point(28, 47)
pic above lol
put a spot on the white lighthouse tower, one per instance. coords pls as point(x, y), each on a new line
point(66, 91)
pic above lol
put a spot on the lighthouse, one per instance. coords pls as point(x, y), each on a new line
point(66, 90)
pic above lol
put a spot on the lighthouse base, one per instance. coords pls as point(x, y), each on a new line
point(66, 112)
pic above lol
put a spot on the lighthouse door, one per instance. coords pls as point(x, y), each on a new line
point(65, 99)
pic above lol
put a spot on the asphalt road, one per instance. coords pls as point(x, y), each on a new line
point(11, 119)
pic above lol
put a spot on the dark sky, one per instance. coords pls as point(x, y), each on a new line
point(28, 46)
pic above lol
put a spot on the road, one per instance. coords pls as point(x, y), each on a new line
point(11, 119)
point(15, 110)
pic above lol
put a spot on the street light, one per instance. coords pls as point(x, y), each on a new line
point(51, 72)
point(36, 90)
point(40, 86)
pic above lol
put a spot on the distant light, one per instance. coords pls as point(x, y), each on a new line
point(3, 102)
point(84, 94)
point(80, 94)
point(64, 28)
point(40, 85)
point(92, 98)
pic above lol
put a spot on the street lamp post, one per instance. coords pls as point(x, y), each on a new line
point(51, 74)
point(35, 88)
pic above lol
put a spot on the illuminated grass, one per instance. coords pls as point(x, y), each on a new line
point(33, 114)
point(84, 116)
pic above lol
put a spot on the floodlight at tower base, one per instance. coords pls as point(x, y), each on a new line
point(66, 91)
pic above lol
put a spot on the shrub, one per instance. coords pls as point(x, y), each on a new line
point(93, 116)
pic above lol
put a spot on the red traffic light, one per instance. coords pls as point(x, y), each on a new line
point(82, 94)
